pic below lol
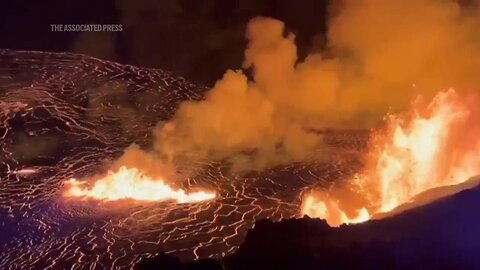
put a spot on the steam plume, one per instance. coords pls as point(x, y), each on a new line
point(380, 55)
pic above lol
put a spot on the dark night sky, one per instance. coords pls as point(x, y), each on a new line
point(198, 39)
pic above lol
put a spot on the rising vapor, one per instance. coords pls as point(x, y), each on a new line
point(379, 56)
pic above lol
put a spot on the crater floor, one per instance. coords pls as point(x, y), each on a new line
point(64, 115)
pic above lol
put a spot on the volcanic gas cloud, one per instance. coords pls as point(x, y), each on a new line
point(379, 56)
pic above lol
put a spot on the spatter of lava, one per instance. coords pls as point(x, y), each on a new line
point(430, 147)
point(130, 183)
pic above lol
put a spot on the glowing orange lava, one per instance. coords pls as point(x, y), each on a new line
point(130, 183)
point(432, 146)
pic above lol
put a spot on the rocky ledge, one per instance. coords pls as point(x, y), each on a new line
point(443, 234)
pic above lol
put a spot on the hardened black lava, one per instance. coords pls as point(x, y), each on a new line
point(442, 235)
point(65, 115)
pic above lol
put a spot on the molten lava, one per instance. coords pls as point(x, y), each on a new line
point(130, 183)
point(431, 146)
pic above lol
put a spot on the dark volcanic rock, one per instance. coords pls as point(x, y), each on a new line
point(163, 261)
point(441, 235)
point(66, 115)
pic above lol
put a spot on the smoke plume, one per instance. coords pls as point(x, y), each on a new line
point(379, 56)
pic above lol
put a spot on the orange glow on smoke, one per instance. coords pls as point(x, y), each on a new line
point(130, 183)
point(419, 151)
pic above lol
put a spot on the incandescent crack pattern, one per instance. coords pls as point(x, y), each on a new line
point(65, 115)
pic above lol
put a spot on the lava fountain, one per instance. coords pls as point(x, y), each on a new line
point(131, 183)
point(432, 145)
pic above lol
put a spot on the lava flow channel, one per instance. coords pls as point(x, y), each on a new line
point(130, 183)
point(429, 147)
